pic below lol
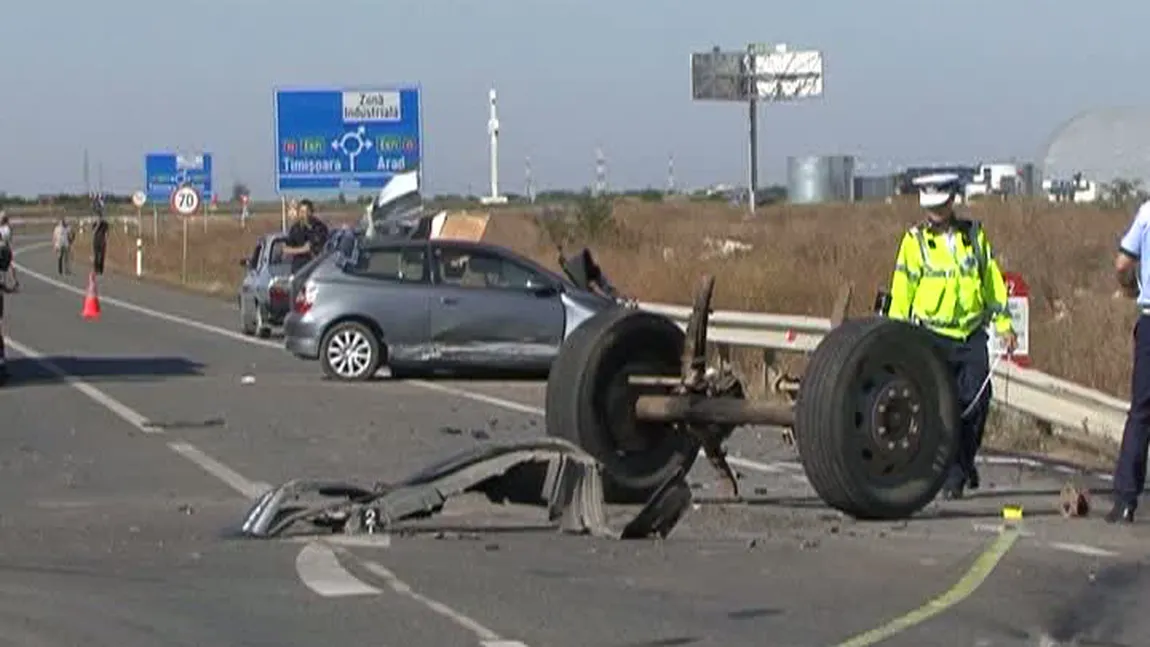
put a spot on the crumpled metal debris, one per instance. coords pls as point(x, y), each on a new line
point(548, 472)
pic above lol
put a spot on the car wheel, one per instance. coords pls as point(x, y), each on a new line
point(262, 328)
point(247, 326)
point(350, 352)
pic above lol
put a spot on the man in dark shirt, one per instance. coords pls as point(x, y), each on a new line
point(8, 283)
point(306, 237)
point(99, 245)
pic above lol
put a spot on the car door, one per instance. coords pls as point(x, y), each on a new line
point(251, 270)
point(390, 283)
point(490, 310)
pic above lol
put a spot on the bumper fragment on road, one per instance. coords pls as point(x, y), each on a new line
point(548, 472)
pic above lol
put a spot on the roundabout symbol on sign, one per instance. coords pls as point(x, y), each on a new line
point(352, 143)
point(185, 200)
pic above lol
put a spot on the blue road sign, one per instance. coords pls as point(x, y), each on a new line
point(346, 139)
point(166, 172)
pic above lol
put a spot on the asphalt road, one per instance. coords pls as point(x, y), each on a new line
point(131, 446)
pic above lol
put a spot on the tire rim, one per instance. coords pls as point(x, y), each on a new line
point(349, 353)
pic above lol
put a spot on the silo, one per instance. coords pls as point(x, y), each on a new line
point(820, 178)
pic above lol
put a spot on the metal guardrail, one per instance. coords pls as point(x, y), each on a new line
point(1057, 402)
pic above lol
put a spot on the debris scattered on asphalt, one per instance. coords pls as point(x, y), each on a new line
point(547, 472)
point(186, 509)
point(185, 424)
point(451, 431)
point(248, 379)
point(480, 434)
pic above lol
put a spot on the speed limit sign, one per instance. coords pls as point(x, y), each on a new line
point(185, 201)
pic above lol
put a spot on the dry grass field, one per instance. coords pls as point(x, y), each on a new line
point(798, 258)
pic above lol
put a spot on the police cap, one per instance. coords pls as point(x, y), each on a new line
point(936, 188)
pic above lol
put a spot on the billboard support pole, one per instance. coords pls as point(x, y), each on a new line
point(753, 75)
point(753, 123)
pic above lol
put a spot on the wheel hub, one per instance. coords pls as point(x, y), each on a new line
point(896, 422)
point(349, 353)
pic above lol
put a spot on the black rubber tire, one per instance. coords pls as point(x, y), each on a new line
point(247, 323)
point(265, 331)
point(585, 406)
point(831, 429)
point(372, 340)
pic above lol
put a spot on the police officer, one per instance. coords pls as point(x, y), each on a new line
point(947, 280)
point(1130, 469)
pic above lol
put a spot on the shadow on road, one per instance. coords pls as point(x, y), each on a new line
point(26, 372)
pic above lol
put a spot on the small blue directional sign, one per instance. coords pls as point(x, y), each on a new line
point(166, 172)
point(346, 139)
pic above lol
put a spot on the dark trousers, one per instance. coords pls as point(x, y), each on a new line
point(64, 261)
point(98, 259)
point(969, 360)
point(1130, 469)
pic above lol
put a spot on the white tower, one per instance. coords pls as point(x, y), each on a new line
point(493, 131)
point(600, 172)
point(530, 182)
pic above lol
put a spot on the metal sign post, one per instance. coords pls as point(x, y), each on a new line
point(138, 200)
point(756, 74)
point(185, 201)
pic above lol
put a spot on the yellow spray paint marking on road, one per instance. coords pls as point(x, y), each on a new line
point(983, 566)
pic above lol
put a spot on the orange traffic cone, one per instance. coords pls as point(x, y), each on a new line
point(91, 300)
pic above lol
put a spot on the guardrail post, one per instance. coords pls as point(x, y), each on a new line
point(724, 353)
point(769, 373)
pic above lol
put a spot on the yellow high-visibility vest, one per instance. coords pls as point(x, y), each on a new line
point(949, 281)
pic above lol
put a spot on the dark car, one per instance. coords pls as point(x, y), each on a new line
point(420, 304)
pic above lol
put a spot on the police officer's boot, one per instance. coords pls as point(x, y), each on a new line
point(955, 483)
point(972, 480)
point(1120, 513)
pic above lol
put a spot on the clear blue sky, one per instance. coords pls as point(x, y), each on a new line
point(906, 82)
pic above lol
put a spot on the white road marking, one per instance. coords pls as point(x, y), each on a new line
point(1082, 549)
point(486, 636)
point(319, 569)
point(1067, 547)
point(232, 478)
point(317, 566)
point(217, 469)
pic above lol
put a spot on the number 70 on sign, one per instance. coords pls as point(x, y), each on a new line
point(185, 200)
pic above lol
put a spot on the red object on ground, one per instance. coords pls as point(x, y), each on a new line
point(91, 309)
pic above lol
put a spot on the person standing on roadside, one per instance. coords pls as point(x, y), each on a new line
point(1133, 274)
point(62, 237)
point(306, 237)
point(8, 283)
point(99, 244)
point(5, 229)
